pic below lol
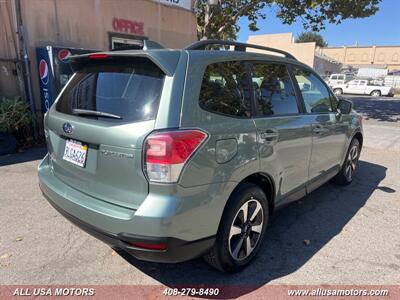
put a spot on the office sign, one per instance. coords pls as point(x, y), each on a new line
point(128, 26)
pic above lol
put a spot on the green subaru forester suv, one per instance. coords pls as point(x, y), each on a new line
point(168, 155)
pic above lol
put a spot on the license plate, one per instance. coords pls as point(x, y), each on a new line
point(75, 152)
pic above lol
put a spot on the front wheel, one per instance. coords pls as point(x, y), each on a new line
point(338, 92)
point(241, 229)
point(346, 174)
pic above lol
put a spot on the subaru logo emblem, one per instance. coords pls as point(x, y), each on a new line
point(68, 128)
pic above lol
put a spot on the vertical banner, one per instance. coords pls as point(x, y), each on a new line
point(45, 78)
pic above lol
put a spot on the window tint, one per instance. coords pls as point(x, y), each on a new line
point(315, 94)
point(334, 77)
point(131, 90)
point(273, 90)
point(225, 90)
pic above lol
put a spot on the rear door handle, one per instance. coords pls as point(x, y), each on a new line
point(269, 134)
point(320, 129)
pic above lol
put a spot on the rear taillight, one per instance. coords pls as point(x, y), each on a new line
point(167, 152)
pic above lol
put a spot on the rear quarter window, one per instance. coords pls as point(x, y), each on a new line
point(129, 90)
point(225, 90)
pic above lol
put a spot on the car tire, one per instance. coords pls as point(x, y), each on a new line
point(338, 91)
point(376, 93)
point(346, 174)
point(230, 252)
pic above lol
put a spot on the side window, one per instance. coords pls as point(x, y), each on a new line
point(273, 91)
point(225, 89)
point(334, 77)
point(315, 94)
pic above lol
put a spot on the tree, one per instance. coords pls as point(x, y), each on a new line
point(219, 18)
point(309, 36)
point(220, 21)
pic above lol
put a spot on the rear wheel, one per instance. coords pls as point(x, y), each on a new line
point(376, 93)
point(346, 174)
point(338, 91)
point(241, 229)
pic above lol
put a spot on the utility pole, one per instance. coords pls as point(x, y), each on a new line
point(23, 55)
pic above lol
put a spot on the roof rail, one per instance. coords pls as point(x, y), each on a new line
point(201, 45)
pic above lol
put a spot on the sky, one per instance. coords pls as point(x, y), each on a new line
point(381, 29)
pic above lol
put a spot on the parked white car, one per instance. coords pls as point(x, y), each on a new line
point(362, 87)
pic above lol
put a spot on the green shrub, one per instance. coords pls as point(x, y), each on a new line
point(14, 115)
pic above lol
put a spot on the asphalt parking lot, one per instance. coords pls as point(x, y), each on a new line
point(353, 232)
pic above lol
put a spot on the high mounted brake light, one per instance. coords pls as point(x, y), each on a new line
point(166, 153)
point(98, 56)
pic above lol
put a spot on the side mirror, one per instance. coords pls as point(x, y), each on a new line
point(344, 107)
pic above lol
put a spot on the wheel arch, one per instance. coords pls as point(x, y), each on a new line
point(358, 135)
point(265, 182)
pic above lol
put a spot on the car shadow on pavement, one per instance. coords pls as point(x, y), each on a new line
point(28, 155)
point(295, 234)
point(380, 110)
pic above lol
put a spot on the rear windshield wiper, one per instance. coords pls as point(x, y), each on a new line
point(88, 112)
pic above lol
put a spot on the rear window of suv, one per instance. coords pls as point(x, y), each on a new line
point(114, 91)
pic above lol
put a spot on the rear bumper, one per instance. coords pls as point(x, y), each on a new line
point(177, 250)
point(120, 227)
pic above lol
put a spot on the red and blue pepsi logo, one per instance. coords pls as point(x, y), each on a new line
point(44, 71)
point(63, 55)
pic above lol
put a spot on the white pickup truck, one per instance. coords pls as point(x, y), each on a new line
point(362, 87)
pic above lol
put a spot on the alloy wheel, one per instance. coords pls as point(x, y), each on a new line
point(351, 162)
point(246, 228)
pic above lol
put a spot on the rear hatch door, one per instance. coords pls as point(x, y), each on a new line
point(96, 129)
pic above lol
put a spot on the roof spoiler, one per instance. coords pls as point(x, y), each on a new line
point(167, 61)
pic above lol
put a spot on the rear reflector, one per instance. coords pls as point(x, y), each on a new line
point(167, 152)
point(150, 246)
point(98, 56)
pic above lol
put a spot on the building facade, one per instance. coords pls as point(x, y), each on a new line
point(366, 57)
point(90, 24)
point(304, 52)
point(323, 59)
